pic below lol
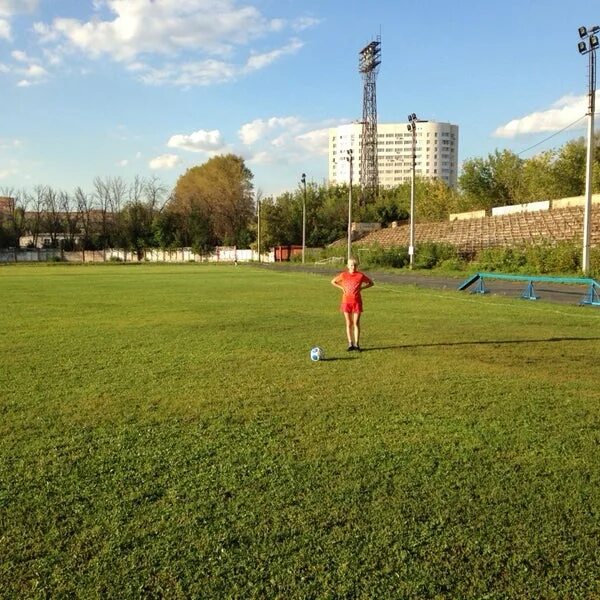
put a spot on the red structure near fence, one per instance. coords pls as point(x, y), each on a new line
point(285, 253)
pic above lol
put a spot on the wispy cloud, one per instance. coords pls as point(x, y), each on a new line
point(164, 162)
point(177, 42)
point(252, 132)
point(9, 8)
point(260, 61)
point(198, 141)
point(285, 139)
point(10, 143)
point(566, 111)
point(5, 33)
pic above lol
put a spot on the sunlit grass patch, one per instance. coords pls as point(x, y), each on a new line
point(165, 434)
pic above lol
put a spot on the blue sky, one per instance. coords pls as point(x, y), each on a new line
point(153, 87)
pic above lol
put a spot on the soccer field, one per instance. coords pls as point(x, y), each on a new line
point(164, 434)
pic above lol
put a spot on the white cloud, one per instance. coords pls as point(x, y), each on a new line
point(123, 163)
point(251, 132)
point(260, 61)
point(190, 74)
point(285, 140)
point(305, 23)
point(5, 30)
point(198, 141)
point(36, 71)
point(164, 161)
point(143, 34)
point(8, 8)
point(315, 142)
point(563, 113)
point(10, 143)
point(28, 68)
point(19, 56)
point(161, 27)
point(261, 158)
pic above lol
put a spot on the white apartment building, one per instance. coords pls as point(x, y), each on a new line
point(436, 152)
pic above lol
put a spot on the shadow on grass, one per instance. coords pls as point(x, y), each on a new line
point(480, 342)
point(344, 357)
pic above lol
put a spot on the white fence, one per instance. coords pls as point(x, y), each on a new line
point(224, 254)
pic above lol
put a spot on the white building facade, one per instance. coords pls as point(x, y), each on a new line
point(436, 152)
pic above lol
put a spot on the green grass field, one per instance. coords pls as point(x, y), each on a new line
point(163, 434)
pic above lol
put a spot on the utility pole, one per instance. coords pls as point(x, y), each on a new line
point(583, 48)
point(303, 181)
point(350, 160)
point(412, 127)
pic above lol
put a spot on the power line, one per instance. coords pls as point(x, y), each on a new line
point(551, 136)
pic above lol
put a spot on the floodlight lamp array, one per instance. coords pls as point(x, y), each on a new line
point(590, 34)
point(370, 57)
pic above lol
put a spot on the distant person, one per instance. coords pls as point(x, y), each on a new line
point(351, 282)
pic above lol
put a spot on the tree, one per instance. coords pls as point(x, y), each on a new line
point(493, 181)
point(34, 221)
point(436, 200)
point(569, 169)
point(220, 194)
point(71, 219)
point(52, 216)
point(85, 209)
point(539, 177)
point(13, 223)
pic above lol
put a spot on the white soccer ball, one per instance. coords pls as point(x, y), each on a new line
point(317, 353)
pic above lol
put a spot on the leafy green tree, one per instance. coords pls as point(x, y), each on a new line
point(569, 169)
point(493, 181)
point(436, 200)
point(539, 177)
point(220, 194)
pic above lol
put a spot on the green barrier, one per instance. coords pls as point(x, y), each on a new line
point(592, 295)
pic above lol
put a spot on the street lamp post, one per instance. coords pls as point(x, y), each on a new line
point(303, 181)
point(258, 225)
point(412, 127)
point(350, 159)
point(590, 49)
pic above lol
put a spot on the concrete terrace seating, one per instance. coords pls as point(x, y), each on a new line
point(471, 235)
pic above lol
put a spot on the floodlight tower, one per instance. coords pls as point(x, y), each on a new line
point(368, 65)
point(592, 39)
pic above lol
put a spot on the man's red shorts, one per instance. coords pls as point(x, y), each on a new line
point(351, 307)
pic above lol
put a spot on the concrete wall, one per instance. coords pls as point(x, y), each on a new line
point(473, 214)
point(574, 201)
point(179, 255)
point(519, 208)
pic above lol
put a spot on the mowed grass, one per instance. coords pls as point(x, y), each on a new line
point(163, 434)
